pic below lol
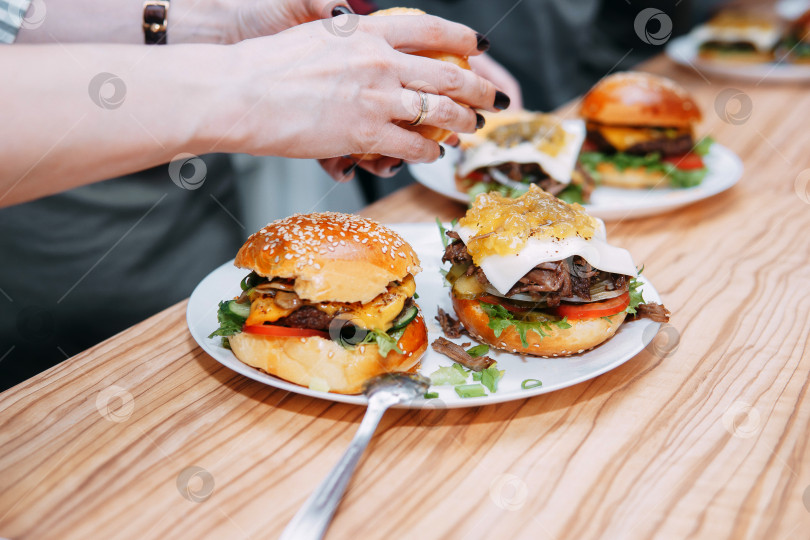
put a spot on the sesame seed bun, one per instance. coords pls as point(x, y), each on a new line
point(319, 362)
point(429, 132)
point(584, 334)
point(332, 257)
point(639, 99)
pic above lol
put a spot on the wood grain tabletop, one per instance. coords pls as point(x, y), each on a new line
point(702, 435)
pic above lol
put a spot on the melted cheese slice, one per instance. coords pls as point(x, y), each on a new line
point(558, 167)
point(379, 314)
point(503, 271)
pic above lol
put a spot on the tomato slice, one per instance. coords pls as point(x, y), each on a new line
point(491, 299)
point(592, 310)
point(282, 331)
point(589, 146)
point(686, 162)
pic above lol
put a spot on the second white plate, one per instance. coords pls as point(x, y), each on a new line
point(607, 203)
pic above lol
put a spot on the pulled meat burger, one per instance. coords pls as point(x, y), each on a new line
point(514, 150)
point(328, 302)
point(640, 133)
point(535, 275)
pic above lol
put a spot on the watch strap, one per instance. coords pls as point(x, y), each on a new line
point(155, 21)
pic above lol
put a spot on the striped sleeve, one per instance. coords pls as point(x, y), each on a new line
point(12, 13)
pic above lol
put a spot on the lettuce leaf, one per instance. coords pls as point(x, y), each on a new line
point(229, 322)
point(501, 318)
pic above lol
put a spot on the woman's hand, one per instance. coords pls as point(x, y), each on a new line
point(491, 70)
point(256, 18)
point(312, 92)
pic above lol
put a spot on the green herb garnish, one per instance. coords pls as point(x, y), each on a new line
point(528, 384)
point(636, 296)
point(490, 378)
point(478, 350)
point(470, 390)
point(431, 395)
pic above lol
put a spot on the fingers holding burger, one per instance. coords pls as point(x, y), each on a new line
point(437, 99)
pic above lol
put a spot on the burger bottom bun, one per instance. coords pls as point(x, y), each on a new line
point(635, 177)
point(735, 57)
point(305, 361)
point(584, 334)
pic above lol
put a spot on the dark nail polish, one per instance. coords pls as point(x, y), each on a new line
point(502, 101)
point(479, 121)
point(441, 151)
point(348, 170)
point(397, 167)
point(483, 42)
point(456, 144)
point(341, 10)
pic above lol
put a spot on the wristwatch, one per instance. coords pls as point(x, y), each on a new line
point(155, 21)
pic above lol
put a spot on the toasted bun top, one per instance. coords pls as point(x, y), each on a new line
point(639, 99)
point(333, 257)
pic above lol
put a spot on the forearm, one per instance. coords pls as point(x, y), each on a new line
point(120, 21)
point(63, 126)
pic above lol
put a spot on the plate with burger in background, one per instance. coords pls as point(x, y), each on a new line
point(318, 303)
point(638, 147)
point(749, 45)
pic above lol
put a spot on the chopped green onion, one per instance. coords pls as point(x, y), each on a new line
point(477, 376)
point(528, 384)
point(470, 390)
point(431, 395)
point(478, 350)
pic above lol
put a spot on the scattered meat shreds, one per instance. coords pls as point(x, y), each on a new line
point(656, 312)
point(451, 327)
point(457, 354)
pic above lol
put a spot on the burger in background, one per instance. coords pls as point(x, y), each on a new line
point(515, 150)
point(641, 133)
point(734, 36)
point(328, 304)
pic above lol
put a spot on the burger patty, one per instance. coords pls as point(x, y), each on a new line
point(314, 319)
point(666, 146)
point(552, 281)
point(306, 317)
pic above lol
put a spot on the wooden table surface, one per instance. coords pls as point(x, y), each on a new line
point(702, 435)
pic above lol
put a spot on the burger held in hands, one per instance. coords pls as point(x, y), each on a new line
point(328, 303)
point(535, 275)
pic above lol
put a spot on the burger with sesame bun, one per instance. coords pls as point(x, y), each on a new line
point(640, 133)
point(535, 275)
point(328, 304)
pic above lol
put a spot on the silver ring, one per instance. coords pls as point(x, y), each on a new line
point(423, 109)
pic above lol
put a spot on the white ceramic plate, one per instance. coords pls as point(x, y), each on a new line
point(608, 203)
point(683, 50)
point(555, 373)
